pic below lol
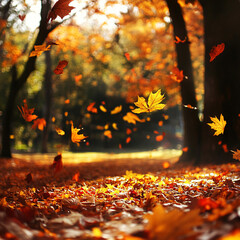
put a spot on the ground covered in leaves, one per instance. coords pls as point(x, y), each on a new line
point(130, 200)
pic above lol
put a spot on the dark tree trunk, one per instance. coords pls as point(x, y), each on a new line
point(190, 117)
point(48, 92)
point(222, 77)
point(18, 82)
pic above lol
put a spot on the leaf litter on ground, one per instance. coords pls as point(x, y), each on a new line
point(187, 203)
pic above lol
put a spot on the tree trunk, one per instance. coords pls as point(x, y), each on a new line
point(48, 91)
point(18, 83)
point(191, 121)
point(222, 78)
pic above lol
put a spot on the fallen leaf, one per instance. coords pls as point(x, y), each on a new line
point(153, 104)
point(218, 124)
point(181, 223)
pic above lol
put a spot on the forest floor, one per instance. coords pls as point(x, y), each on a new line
point(130, 196)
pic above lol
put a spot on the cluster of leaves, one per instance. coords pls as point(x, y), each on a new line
point(172, 204)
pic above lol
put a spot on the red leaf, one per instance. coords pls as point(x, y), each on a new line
point(57, 163)
point(61, 65)
point(21, 17)
point(60, 9)
point(216, 50)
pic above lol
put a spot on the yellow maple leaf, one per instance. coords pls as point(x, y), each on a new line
point(181, 223)
point(39, 49)
point(218, 124)
point(116, 110)
point(132, 118)
point(236, 154)
point(153, 104)
point(75, 137)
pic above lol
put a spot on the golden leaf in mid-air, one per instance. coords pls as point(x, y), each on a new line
point(59, 131)
point(153, 104)
point(102, 108)
point(39, 49)
point(75, 137)
point(218, 124)
point(236, 154)
point(117, 109)
point(181, 223)
point(132, 118)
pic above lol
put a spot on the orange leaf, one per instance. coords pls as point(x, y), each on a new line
point(132, 118)
point(178, 40)
point(116, 110)
point(128, 139)
point(160, 123)
point(127, 55)
point(108, 133)
point(75, 137)
point(102, 108)
point(39, 123)
point(78, 78)
point(190, 106)
point(91, 108)
point(177, 75)
point(67, 101)
point(185, 149)
point(225, 148)
point(76, 177)
point(216, 50)
point(159, 138)
point(120, 146)
point(60, 131)
point(27, 113)
point(128, 131)
point(39, 49)
point(61, 8)
point(61, 65)
point(166, 164)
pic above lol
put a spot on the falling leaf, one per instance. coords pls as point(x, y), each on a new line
point(61, 8)
point(108, 133)
point(21, 17)
point(216, 50)
point(57, 163)
point(78, 78)
point(59, 131)
point(132, 118)
point(120, 146)
point(177, 75)
point(127, 55)
point(128, 139)
point(102, 108)
point(116, 110)
point(178, 40)
point(166, 165)
point(61, 65)
point(218, 125)
point(190, 106)
point(185, 149)
point(39, 49)
point(166, 117)
point(225, 148)
point(91, 108)
point(153, 104)
point(128, 131)
point(181, 223)
point(159, 138)
point(114, 125)
point(236, 154)
point(75, 137)
point(76, 176)
point(27, 113)
point(67, 101)
point(160, 123)
point(39, 123)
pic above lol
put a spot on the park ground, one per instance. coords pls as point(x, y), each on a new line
point(130, 196)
